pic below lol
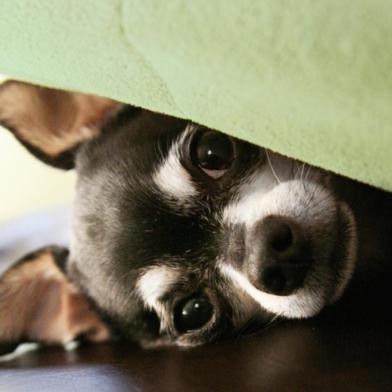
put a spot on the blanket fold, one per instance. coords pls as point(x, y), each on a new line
point(311, 80)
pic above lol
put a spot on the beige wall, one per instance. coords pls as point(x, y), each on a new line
point(26, 184)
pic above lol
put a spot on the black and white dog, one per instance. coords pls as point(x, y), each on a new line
point(181, 234)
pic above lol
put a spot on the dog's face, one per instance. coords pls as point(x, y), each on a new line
point(183, 235)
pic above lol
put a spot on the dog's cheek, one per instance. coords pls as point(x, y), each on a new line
point(38, 303)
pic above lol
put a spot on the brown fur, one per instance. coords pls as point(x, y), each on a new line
point(37, 302)
point(51, 120)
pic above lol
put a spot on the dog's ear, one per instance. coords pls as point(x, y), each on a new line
point(50, 122)
point(39, 304)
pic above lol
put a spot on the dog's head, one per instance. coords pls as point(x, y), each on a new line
point(182, 234)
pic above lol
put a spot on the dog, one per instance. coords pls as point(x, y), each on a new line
point(181, 234)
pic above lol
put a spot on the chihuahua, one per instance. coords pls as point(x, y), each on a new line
point(181, 234)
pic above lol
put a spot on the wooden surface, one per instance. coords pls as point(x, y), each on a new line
point(347, 349)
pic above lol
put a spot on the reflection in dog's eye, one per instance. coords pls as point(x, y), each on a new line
point(192, 313)
point(213, 152)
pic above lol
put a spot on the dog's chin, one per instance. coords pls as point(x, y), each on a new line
point(325, 282)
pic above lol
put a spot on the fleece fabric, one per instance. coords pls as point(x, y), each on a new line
point(309, 79)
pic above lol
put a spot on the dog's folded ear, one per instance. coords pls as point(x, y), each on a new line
point(50, 122)
point(39, 304)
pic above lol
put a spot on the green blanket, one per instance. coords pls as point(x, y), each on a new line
point(310, 79)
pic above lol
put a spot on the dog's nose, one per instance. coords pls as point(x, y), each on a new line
point(281, 263)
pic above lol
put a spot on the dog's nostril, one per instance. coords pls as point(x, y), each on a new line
point(282, 238)
point(282, 279)
point(280, 265)
point(274, 280)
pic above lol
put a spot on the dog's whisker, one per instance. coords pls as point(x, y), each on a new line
point(302, 172)
point(271, 167)
point(308, 174)
point(274, 320)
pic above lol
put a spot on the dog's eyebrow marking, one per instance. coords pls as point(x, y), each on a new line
point(154, 283)
point(172, 178)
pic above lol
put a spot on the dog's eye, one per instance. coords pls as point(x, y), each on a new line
point(212, 152)
point(192, 313)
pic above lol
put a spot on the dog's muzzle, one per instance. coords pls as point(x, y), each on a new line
point(280, 257)
point(293, 249)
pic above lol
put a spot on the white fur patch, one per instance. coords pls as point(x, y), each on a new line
point(172, 178)
point(21, 350)
point(154, 283)
point(298, 305)
point(290, 198)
